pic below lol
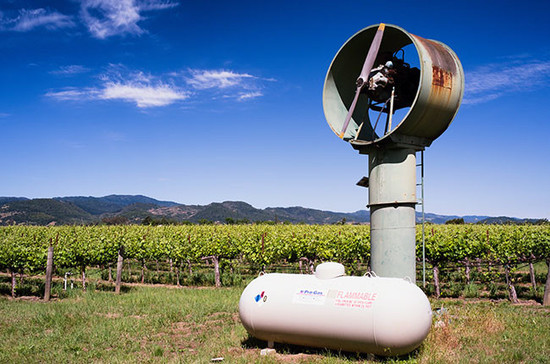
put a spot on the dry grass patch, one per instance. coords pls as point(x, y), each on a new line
point(460, 329)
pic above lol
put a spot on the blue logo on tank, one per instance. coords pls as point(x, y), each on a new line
point(259, 297)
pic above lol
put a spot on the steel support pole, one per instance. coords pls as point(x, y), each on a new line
point(392, 200)
point(423, 221)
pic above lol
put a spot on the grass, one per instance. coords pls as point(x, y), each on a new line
point(144, 324)
point(488, 332)
point(159, 324)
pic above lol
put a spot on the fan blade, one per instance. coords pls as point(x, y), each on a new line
point(350, 112)
point(364, 75)
point(373, 52)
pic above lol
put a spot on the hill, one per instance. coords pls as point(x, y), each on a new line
point(441, 219)
point(111, 203)
point(89, 210)
point(42, 211)
point(310, 216)
point(134, 209)
point(4, 200)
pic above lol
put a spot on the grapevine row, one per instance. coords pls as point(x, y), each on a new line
point(24, 248)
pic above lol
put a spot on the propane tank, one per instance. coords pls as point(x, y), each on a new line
point(383, 316)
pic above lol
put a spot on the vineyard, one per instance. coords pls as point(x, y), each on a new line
point(475, 260)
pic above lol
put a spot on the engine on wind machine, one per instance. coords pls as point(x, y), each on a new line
point(393, 74)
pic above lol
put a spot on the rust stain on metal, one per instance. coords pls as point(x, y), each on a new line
point(439, 54)
point(442, 78)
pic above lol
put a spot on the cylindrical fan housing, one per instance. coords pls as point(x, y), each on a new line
point(438, 97)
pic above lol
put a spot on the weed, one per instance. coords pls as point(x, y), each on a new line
point(471, 291)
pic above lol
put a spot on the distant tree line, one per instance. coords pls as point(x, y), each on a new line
point(497, 221)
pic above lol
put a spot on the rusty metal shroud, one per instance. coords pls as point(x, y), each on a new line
point(437, 100)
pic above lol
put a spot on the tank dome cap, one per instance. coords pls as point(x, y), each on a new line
point(330, 270)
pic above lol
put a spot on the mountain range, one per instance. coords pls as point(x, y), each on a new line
point(134, 209)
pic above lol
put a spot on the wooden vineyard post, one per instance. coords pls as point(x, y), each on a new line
point(467, 270)
point(119, 271)
point(178, 265)
point(512, 295)
point(190, 268)
point(143, 268)
point(546, 297)
point(49, 269)
point(13, 283)
point(217, 271)
point(532, 277)
point(83, 274)
point(436, 281)
point(308, 263)
point(216, 262)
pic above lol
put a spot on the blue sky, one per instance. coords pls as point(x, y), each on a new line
point(204, 101)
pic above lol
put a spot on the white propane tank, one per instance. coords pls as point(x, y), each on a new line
point(383, 316)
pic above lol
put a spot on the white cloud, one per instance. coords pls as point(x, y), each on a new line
point(146, 90)
point(249, 95)
point(492, 81)
point(147, 5)
point(102, 18)
point(143, 95)
point(71, 94)
point(106, 18)
point(205, 79)
point(228, 84)
point(143, 90)
point(28, 20)
point(73, 69)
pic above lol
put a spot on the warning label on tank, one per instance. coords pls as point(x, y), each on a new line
point(354, 299)
point(310, 296)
